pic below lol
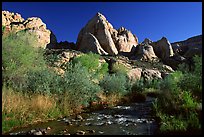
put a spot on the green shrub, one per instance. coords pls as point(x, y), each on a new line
point(171, 82)
point(115, 83)
point(78, 84)
point(90, 61)
point(18, 57)
point(43, 81)
point(192, 81)
point(119, 68)
point(172, 123)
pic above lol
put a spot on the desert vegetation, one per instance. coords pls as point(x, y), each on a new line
point(33, 92)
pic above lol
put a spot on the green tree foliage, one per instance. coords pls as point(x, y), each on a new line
point(19, 55)
point(78, 84)
point(115, 83)
point(91, 62)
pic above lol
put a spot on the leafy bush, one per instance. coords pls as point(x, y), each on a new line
point(119, 68)
point(43, 81)
point(115, 83)
point(78, 84)
point(18, 57)
point(192, 81)
point(90, 61)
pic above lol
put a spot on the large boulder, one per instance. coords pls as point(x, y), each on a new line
point(163, 48)
point(144, 52)
point(134, 74)
point(125, 40)
point(13, 22)
point(150, 74)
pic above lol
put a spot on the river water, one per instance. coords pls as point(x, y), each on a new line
point(131, 119)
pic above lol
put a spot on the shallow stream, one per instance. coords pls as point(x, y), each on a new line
point(132, 119)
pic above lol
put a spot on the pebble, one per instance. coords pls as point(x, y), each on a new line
point(37, 133)
point(80, 132)
point(101, 132)
point(48, 128)
point(79, 117)
point(90, 130)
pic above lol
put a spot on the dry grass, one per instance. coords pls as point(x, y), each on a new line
point(110, 100)
point(24, 109)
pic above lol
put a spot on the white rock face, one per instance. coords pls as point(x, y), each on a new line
point(110, 40)
point(163, 48)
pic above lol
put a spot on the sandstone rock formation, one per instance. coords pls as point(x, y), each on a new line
point(124, 40)
point(13, 22)
point(134, 74)
point(144, 52)
point(190, 47)
point(163, 48)
point(90, 43)
point(150, 74)
point(106, 39)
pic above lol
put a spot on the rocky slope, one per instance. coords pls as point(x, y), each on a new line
point(153, 59)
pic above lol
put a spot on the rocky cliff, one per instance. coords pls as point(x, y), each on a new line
point(13, 22)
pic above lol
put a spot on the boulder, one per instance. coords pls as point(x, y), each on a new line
point(150, 74)
point(144, 52)
point(134, 74)
point(163, 48)
point(125, 40)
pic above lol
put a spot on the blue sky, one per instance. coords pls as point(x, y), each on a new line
point(174, 20)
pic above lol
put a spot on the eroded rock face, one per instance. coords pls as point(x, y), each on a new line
point(90, 43)
point(8, 17)
point(13, 22)
point(150, 74)
point(109, 39)
point(125, 40)
point(190, 47)
point(144, 52)
point(135, 74)
point(163, 48)
point(99, 27)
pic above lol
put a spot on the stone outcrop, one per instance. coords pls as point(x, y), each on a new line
point(190, 47)
point(150, 74)
point(13, 22)
point(99, 27)
point(162, 48)
point(90, 43)
point(124, 40)
point(100, 37)
point(144, 52)
point(9, 17)
point(134, 74)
